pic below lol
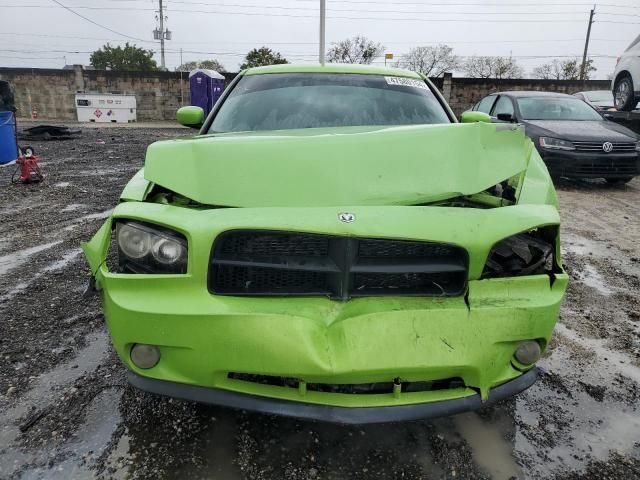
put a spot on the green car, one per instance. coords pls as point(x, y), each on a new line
point(334, 245)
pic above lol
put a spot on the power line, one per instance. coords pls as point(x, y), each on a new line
point(95, 23)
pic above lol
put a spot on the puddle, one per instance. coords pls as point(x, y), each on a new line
point(95, 216)
point(592, 278)
point(60, 184)
point(610, 359)
point(42, 393)
point(71, 207)
point(66, 259)
point(15, 259)
point(101, 420)
point(491, 450)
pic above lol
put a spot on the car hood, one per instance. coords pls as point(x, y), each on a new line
point(580, 130)
point(340, 166)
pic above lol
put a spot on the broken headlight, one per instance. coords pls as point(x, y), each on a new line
point(530, 253)
point(146, 248)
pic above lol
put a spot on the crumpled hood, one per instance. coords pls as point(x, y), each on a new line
point(339, 166)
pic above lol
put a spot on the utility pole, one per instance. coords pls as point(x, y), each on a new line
point(322, 22)
point(583, 69)
point(181, 87)
point(162, 35)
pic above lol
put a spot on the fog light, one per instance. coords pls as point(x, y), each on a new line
point(528, 352)
point(145, 356)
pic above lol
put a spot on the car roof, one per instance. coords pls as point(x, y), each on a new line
point(332, 68)
point(532, 93)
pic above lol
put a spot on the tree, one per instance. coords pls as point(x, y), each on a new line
point(492, 67)
point(262, 56)
point(129, 57)
point(358, 49)
point(210, 64)
point(563, 70)
point(430, 61)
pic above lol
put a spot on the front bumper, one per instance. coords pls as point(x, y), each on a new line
point(203, 338)
point(591, 164)
point(327, 413)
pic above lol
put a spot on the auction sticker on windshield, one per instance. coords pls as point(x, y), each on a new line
point(406, 82)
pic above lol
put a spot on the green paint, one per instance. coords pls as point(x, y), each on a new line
point(472, 117)
point(191, 116)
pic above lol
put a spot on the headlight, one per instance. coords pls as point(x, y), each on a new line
point(556, 144)
point(531, 253)
point(146, 248)
point(637, 146)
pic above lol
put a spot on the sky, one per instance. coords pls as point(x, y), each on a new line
point(43, 34)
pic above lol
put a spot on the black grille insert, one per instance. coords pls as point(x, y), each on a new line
point(263, 263)
point(376, 388)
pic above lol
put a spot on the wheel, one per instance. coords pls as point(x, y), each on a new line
point(618, 180)
point(28, 151)
point(623, 94)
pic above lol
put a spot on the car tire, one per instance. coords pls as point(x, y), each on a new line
point(623, 95)
point(618, 181)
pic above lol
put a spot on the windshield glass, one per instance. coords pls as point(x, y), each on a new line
point(600, 96)
point(556, 108)
point(311, 100)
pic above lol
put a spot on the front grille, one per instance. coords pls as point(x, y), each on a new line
point(375, 388)
point(597, 146)
point(268, 263)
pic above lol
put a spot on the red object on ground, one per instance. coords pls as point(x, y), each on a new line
point(29, 170)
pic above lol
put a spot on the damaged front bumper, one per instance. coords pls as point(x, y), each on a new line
point(227, 350)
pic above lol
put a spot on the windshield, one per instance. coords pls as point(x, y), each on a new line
point(556, 108)
point(311, 100)
point(600, 96)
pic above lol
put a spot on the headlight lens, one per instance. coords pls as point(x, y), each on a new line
point(146, 248)
point(637, 146)
point(556, 144)
point(530, 253)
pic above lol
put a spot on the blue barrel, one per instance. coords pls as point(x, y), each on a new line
point(8, 146)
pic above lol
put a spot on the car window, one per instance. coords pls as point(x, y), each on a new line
point(486, 103)
point(556, 108)
point(313, 100)
point(503, 105)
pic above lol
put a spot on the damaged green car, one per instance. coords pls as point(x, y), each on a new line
point(334, 245)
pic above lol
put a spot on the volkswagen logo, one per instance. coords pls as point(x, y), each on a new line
point(607, 147)
point(346, 217)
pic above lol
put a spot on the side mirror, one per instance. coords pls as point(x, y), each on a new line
point(192, 117)
point(505, 117)
point(473, 117)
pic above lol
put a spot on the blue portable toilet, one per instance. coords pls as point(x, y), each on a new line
point(8, 144)
point(206, 86)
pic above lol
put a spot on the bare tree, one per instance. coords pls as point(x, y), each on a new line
point(563, 70)
point(358, 49)
point(493, 67)
point(430, 61)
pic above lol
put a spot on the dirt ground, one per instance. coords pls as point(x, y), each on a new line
point(66, 410)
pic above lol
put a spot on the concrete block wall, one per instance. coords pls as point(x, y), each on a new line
point(158, 94)
point(463, 93)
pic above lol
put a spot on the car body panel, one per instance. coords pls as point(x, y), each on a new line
point(203, 336)
point(629, 64)
point(320, 167)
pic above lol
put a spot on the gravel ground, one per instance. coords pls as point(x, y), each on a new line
point(67, 412)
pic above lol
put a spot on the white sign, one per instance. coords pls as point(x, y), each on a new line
point(406, 82)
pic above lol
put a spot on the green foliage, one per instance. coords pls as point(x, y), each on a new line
point(358, 49)
point(127, 58)
point(262, 56)
point(211, 64)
